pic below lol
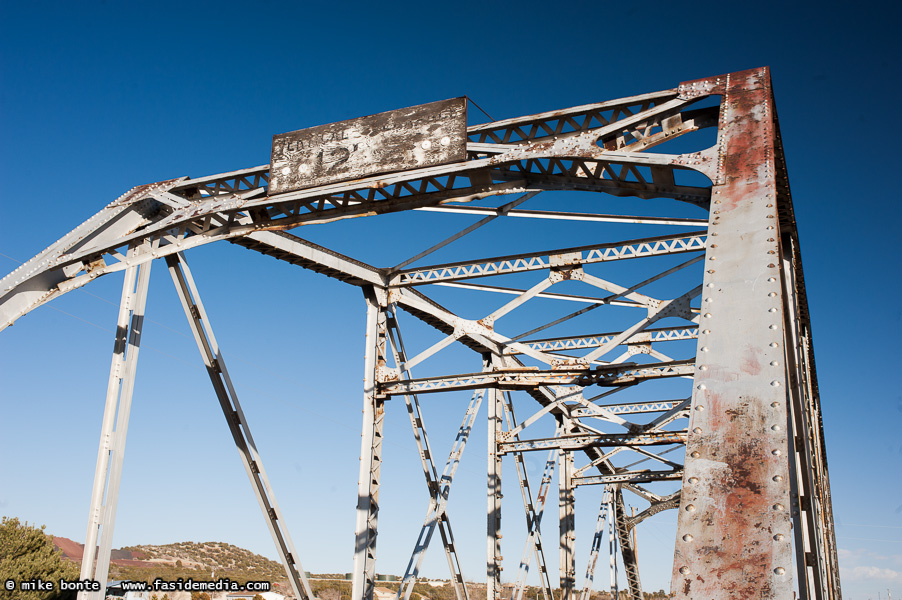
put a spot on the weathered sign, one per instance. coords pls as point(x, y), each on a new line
point(407, 138)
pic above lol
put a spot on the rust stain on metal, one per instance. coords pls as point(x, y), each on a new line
point(750, 362)
point(746, 465)
point(408, 138)
point(732, 506)
point(487, 323)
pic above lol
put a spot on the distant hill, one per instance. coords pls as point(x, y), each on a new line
point(199, 560)
point(210, 556)
point(74, 551)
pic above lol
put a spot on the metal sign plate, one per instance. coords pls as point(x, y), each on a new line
point(407, 138)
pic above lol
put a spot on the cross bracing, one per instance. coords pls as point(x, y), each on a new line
point(699, 395)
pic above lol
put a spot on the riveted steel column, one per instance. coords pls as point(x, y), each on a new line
point(567, 506)
point(493, 525)
point(102, 514)
point(733, 536)
point(363, 577)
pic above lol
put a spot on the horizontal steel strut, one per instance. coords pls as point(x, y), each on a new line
point(711, 314)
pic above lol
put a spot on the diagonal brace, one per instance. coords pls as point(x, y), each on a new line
point(241, 434)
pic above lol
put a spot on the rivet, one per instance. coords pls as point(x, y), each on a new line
point(772, 294)
point(775, 383)
point(699, 408)
point(778, 478)
point(706, 332)
point(703, 368)
point(686, 538)
point(697, 430)
point(693, 480)
point(779, 570)
point(772, 310)
point(714, 245)
point(770, 227)
point(710, 285)
point(690, 508)
point(774, 404)
point(776, 428)
point(771, 279)
point(777, 452)
point(774, 363)
point(701, 386)
point(771, 266)
point(684, 570)
point(695, 454)
point(774, 344)
point(779, 537)
point(772, 326)
point(778, 506)
point(707, 315)
point(709, 300)
point(710, 270)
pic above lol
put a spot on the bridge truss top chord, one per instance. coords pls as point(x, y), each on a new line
point(675, 366)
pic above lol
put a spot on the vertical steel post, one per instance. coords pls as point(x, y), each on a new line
point(363, 577)
point(733, 533)
point(241, 433)
point(493, 525)
point(612, 546)
point(567, 506)
point(105, 492)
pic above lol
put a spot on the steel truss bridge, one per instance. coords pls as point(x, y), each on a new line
point(701, 398)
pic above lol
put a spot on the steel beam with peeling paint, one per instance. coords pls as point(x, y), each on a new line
point(734, 536)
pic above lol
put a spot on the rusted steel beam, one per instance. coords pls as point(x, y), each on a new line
point(734, 536)
point(568, 121)
point(518, 379)
point(581, 442)
point(629, 477)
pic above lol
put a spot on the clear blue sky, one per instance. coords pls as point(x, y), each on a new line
point(96, 97)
